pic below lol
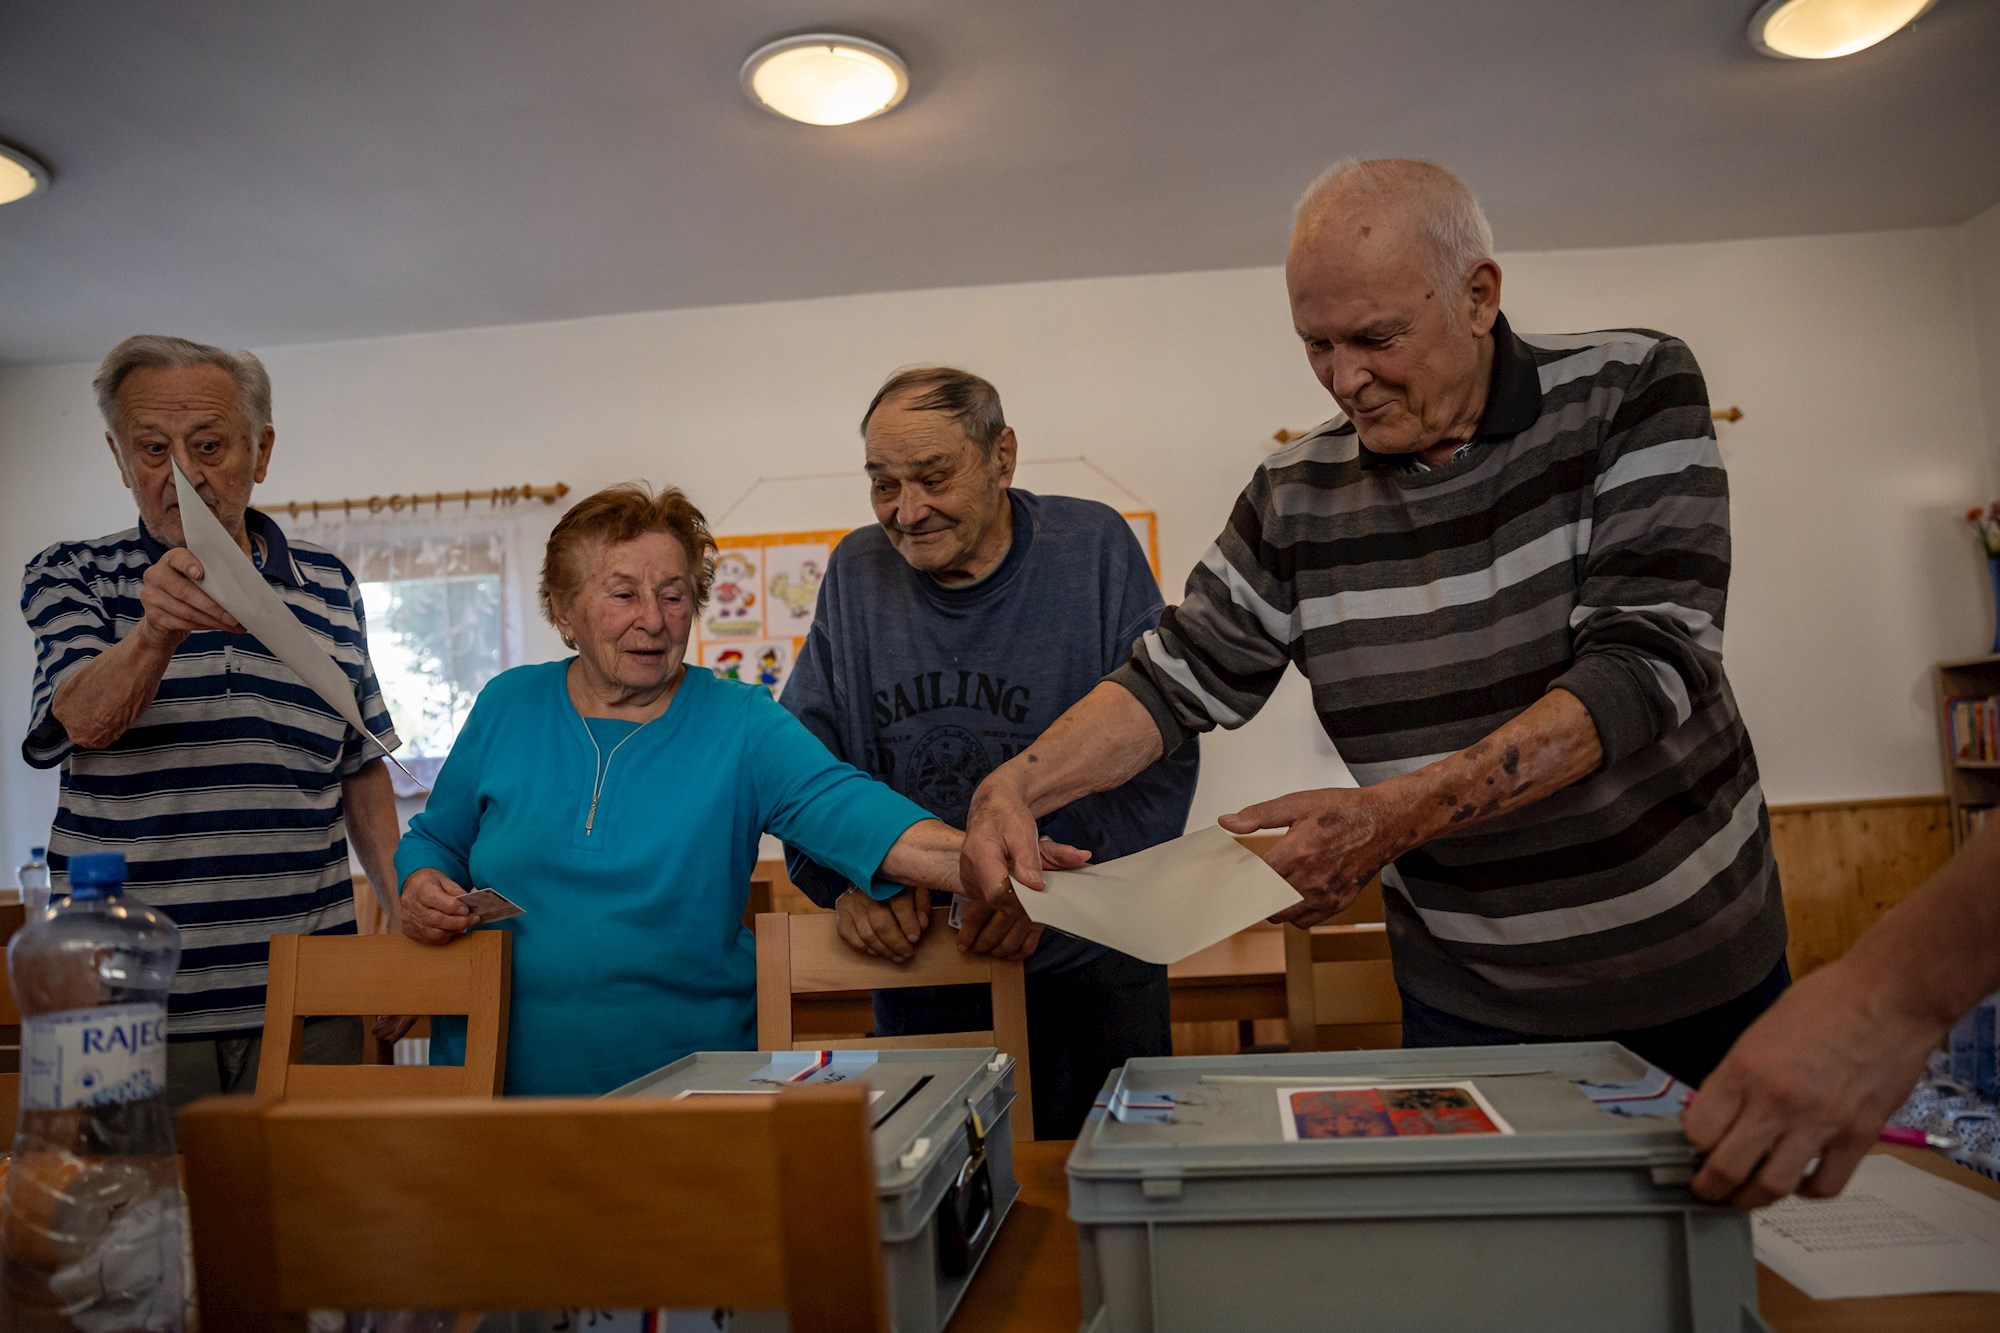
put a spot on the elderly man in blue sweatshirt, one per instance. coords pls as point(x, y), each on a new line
point(945, 640)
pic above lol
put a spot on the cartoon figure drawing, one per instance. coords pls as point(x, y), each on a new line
point(733, 596)
point(767, 667)
point(729, 665)
point(798, 594)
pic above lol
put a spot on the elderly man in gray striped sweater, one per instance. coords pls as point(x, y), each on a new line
point(1503, 569)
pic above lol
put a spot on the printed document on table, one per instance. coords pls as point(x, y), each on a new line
point(228, 576)
point(1894, 1231)
point(1164, 903)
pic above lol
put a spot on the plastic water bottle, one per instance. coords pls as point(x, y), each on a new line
point(33, 877)
point(93, 1238)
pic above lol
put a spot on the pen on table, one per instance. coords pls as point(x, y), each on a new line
point(1915, 1138)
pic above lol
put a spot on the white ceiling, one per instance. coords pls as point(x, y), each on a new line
point(260, 174)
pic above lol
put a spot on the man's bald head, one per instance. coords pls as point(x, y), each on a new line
point(1352, 201)
point(1394, 295)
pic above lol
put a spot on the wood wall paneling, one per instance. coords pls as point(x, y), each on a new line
point(1844, 864)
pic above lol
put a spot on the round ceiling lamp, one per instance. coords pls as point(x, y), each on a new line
point(1824, 29)
point(823, 78)
point(20, 175)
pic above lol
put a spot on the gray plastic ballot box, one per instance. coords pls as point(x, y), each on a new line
point(944, 1186)
point(1577, 1219)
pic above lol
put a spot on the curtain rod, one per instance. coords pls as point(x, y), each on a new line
point(375, 504)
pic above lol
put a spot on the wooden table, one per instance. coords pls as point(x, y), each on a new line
point(1237, 980)
point(1029, 1278)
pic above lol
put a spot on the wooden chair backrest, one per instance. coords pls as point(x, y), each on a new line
point(1340, 989)
point(759, 902)
point(748, 1202)
point(802, 954)
point(315, 976)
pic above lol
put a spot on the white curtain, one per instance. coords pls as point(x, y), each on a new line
point(390, 547)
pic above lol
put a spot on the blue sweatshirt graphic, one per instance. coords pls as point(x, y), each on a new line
point(929, 688)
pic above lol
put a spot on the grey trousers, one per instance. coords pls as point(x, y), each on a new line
point(229, 1064)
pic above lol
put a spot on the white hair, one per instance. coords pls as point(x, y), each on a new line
point(1448, 217)
point(155, 351)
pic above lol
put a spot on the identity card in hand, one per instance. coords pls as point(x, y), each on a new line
point(490, 905)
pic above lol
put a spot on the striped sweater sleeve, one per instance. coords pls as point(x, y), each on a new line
point(70, 626)
point(1215, 659)
point(1647, 629)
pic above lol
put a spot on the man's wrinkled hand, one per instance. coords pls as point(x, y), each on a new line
point(1336, 840)
point(889, 929)
point(1007, 936)
point(392, 1028)
point(1814, 1078)
point(434, 910)
point(172, 602)
point(1000, 846)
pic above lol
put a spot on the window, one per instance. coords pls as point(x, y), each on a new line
point(435, 643)
point(439, 604)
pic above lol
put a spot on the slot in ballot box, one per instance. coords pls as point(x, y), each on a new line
point(943, 1145)
point(1361, 1190)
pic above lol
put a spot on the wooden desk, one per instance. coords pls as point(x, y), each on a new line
point(1236, 980)
point(1029, 1279)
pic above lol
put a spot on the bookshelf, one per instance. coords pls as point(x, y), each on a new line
point(1971, 762)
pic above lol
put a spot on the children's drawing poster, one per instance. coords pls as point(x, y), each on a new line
point(766, 662)
point(792, 575)
point(736, 598)
point(760, 607)
point(1147, 529)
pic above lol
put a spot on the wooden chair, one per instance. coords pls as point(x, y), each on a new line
point(315, 976)
point(800, 954)
point(12, 916)
point(747, 1202)
point(1340, 989)
point(759, 901)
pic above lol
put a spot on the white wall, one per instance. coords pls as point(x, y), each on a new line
point(1852, 356)
point(1980, 239)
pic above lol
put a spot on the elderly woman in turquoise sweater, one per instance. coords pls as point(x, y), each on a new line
point(617, 797)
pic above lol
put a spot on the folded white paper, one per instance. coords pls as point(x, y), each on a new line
point(228, 576)
point(1164, 903)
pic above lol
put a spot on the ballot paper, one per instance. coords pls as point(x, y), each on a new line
point(1166, 902)
point(228, 576)
point(490, 905)
point(1894, 1231)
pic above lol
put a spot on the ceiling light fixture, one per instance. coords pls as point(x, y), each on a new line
point(20, 175)
point(1824, 29)
point(823, 78)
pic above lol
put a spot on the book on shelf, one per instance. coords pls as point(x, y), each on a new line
point(1974, 726)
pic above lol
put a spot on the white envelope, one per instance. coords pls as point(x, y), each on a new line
point(228, 576)
point(1164, 903)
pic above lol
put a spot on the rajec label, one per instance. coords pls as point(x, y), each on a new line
point(93, 1057)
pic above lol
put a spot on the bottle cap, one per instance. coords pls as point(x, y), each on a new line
point(92, 874)
point(38, 853)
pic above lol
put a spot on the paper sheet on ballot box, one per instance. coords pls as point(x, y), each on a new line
point(1164, 903)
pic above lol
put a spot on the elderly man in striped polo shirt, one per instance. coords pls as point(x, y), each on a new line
point(1503, 568)
point(229, 786)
